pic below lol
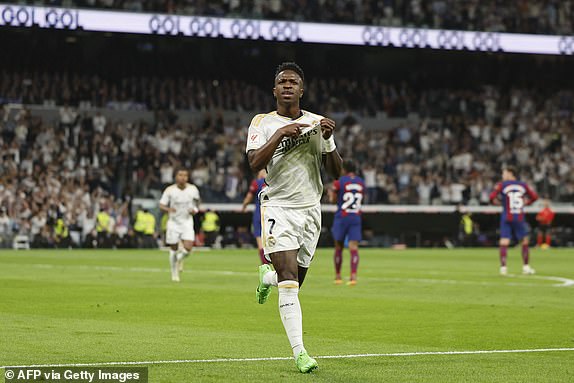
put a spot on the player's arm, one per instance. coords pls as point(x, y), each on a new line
point(495, 195)
point(333, 192)
point(166, 209)
point(247, 200)
point(164, 203)
point(331, 159)
point(196, 200)
point(531, 196)
point(259, 158)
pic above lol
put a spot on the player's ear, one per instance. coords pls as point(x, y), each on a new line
point(301, 91)
point(274, 92)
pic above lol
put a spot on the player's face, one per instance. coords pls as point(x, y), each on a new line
point(288, 87)
point(181, 177)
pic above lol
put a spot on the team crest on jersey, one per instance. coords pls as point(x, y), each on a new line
point(271, 241)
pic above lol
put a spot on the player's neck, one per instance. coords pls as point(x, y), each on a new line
point(291, 111)
point(182, 186)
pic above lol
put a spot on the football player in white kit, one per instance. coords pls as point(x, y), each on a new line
point(291, 144)
point(181, 202)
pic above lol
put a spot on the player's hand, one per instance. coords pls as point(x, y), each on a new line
point(193, 211)
point(171, 210)
point(292, 130)
point(327, 127)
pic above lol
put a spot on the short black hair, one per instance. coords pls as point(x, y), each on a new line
point(181, 169)
point(290, 65)
point(349, 166)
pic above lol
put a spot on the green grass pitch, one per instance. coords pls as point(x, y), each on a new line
point(113, 306)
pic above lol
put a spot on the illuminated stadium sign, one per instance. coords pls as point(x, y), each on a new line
point(194, 26)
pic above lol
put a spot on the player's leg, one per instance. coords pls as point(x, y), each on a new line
point(187, 239)
point(338, 232)
point(308, 223)
point(172, 240)
point(526, 269)
point(354, 250)
point(521, 233)
point(257, 235)
point(354, 235)
point(338, 261)
point(547, 238)
point(540, 236)
point(505, 236)
point(183, 253)
point(267, 276)
point(287, 267)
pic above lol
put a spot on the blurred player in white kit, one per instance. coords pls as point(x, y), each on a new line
point(181, 202)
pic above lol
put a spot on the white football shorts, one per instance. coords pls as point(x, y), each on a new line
point(288, 228)
point(179, 231)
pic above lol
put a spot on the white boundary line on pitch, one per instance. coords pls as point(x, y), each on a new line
point(350, 356)
point(564, 282)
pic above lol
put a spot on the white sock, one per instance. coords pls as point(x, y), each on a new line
point(182, 254)
point(172, 262)
point(291, 316)
point(270, 278)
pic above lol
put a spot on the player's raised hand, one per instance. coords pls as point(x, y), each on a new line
point(292, 130)
point(327, 127)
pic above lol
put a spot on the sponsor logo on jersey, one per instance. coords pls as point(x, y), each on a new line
point(271, 241)
point(290, 143)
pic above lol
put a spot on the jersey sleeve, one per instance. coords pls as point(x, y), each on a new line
point(253, 187)
point(532, 196)
point(255, 136)
point(164, 200)
point(495, 192)
point(196, 195)
point(336, 186)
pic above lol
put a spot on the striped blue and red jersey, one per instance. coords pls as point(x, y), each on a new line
point(349, 189)
point(514, 196)
point(256, 186)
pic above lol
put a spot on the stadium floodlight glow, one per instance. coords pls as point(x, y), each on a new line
point(289, 31)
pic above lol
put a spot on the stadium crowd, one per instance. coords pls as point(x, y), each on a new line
point(83, 163)
point(196, 94)
point(533, 16)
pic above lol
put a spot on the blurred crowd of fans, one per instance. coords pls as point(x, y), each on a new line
point(365, 96)
point(73, 168)
point(524, 16)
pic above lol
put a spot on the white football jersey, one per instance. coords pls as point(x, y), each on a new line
point(294, 173)
point(182, 200)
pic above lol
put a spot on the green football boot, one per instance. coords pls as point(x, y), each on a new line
point(263, 291)
point(305, 363)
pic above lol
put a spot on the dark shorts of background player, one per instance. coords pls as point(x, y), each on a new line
point(513, 229)
point(256, 229)
point(544, 229)
point(349, 227)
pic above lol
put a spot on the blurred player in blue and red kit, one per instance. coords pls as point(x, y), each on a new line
point(347, 192)
point(513, 195)
point(256, 186)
